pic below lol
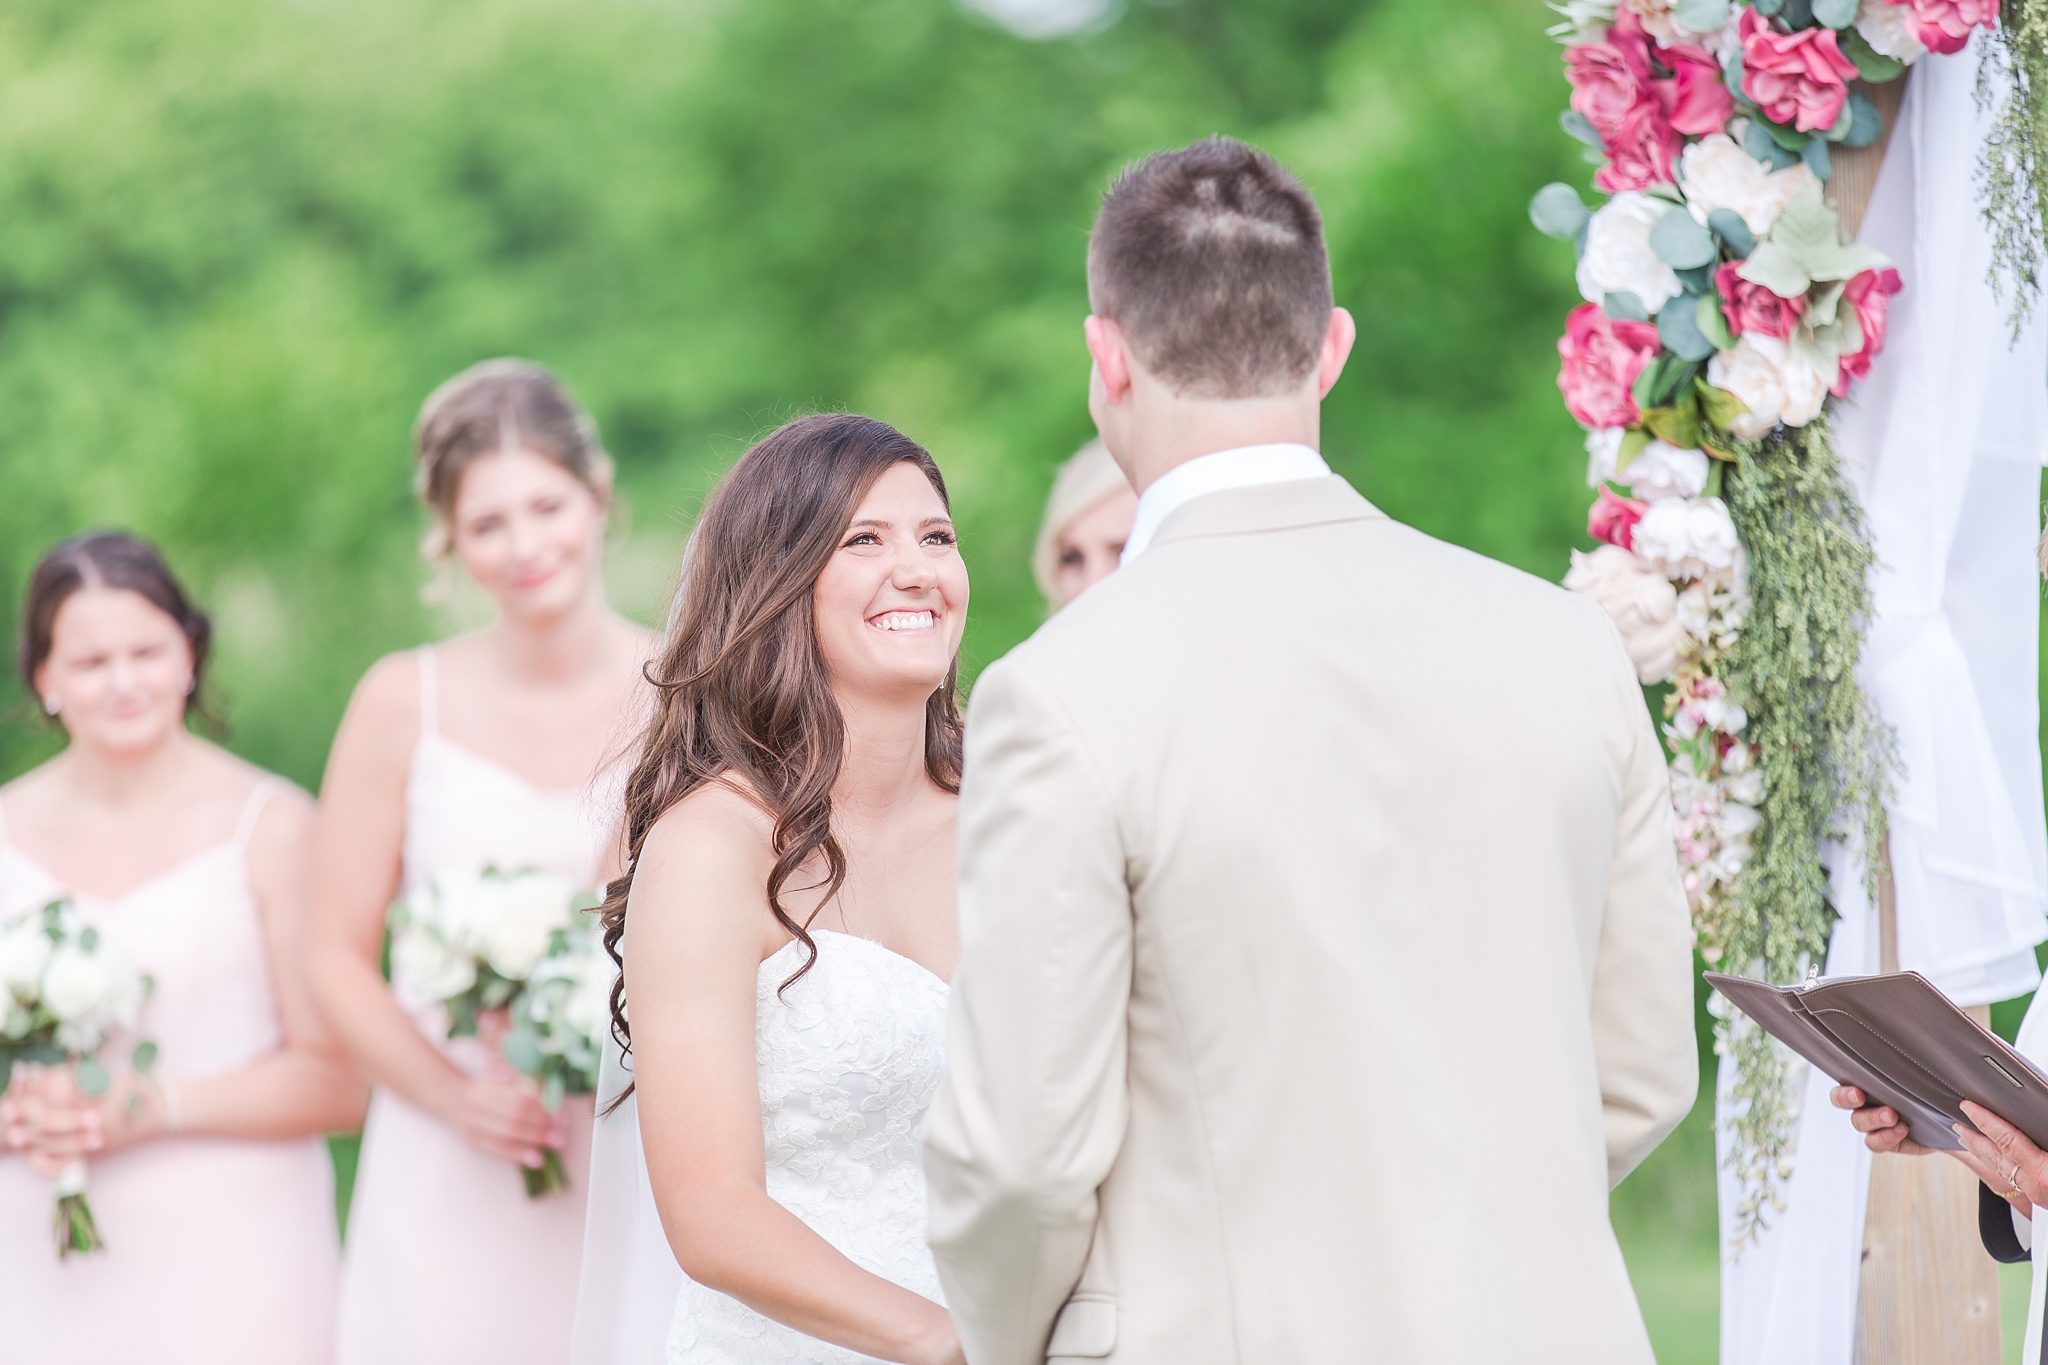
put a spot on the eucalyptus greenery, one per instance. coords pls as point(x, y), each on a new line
point(1827, 757)
point(2012, 176)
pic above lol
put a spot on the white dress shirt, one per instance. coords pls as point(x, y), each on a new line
point(1244, 467)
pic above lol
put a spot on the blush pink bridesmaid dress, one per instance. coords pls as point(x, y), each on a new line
point(447, 1258)
point(218, 1251)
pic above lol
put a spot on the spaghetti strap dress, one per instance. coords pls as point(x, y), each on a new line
point(447, 1258)
point(219, 1251)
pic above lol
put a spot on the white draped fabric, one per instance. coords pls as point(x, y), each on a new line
point(1944, 440)
point(630, 1277)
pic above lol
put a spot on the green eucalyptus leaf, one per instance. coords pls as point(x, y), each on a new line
point(1796, 14)
point(1758, 142)
point(1817, 159)
point(1871, 64)
point(1791, 139)
point(92, 1076)
point(553, 1091)
point(1806, 245)
point(1733, 232)
point(144, 1056)
point(1712, 322)
point(1679, 330)
point(1839, 129)
point(1866, 125)
point(89, 939)
point(522, 1050)
point(1767, 8)
point(1701, 16)
point(1836, 14)
point(1731, 72)
point(1698, 280)
point(1681, 243)
point(42, 1054)
point(1581, 127)
point(1624, 304)
point(6, 1069)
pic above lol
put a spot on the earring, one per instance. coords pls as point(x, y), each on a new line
point(50, 704)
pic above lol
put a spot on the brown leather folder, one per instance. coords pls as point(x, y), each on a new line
point(1903, 1043)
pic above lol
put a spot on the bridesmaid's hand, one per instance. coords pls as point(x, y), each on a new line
point(504, 1117)
point(56, 1123)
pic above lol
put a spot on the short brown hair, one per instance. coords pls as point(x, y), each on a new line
point(1211, 259)
point(498, 405)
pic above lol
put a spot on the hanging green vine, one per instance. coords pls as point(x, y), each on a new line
point(1826, 756)
point(2012, 174)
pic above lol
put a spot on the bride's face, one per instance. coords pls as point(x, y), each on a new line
point(891, 603)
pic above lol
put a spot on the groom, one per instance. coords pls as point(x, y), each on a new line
point(1325, 959)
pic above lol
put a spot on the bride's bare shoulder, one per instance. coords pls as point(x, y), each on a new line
point(723, 823)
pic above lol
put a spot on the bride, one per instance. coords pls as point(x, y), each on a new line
point(788, 925)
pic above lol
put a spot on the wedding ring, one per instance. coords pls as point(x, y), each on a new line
point(2014, 1180)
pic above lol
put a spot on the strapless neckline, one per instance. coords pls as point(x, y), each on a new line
point(795, 948)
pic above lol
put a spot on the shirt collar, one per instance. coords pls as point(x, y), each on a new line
point(1244, 467)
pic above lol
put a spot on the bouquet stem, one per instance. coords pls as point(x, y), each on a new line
point(76, 1229)
point(549, 1178)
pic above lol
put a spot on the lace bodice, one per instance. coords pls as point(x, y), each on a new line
point(849, 1059)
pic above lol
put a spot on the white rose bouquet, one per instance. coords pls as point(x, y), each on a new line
point(511, 958)
point(66, 992)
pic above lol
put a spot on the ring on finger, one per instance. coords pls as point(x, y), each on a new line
point(2014, 1180)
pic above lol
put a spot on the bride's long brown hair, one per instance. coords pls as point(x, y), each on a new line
point(741, 687)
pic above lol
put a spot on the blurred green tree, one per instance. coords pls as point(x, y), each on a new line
point(242, 239)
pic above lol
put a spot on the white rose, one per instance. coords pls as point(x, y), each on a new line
point(1735, 820)
point(539, 897)
point(1687, 537)
point(1603, 445)
point(24, 952)
point(1642, 603)
point(426, 971)
point(1746, 786)
point(1662, 470)
point(459, 906)
point(518, 942)
point(1618, 258)
point(1889, 28)
point(73, 984)
point(1750, 373)
point(1805, 387)
point(1717, 174)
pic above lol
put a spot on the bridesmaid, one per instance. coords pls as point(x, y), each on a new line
point(1088, 518)
point(208, 1177)
point(491, 748)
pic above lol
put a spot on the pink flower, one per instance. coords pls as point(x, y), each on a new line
point(1641, 152)
point(1602, 358)
point(1798, 78)
point(1944, 25)
point(1754, 309)
point(1696, 98)
point(1870, 294)
point(1613, 519)
point(1608, 82)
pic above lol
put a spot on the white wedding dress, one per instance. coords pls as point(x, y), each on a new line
point(850, 1056)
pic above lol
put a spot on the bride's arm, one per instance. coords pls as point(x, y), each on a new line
point(698, 927)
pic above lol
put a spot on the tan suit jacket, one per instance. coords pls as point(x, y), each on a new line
point(1325, 960)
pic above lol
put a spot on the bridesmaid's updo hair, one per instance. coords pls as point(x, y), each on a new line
point(499, 405)
point(111, 559)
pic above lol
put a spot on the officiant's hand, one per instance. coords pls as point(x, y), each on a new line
point(2004, 1159)
point(1882, 1128)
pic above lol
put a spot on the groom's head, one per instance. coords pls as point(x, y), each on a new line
point(1208, 276)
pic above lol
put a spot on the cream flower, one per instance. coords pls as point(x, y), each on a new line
point(1660, 20)
point(426, 970)
point(1661, 470)
point(1687, 538)
point(1718, 174)
point(73, 984)
point(1643, 604)
point(1889, 29)
point(1746, 786)
point(24, 952)
point(1603, 445)
point(1774, 382)
point(1618, 257)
